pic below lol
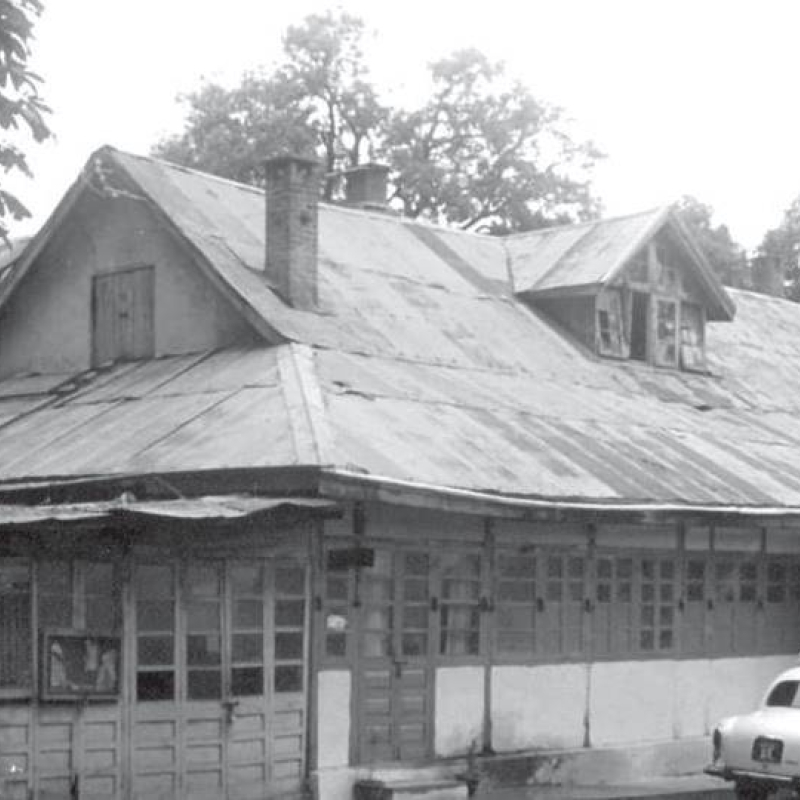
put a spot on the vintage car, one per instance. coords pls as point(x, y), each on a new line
point(760, 751)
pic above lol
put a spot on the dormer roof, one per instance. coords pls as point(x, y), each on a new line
point(582, 259)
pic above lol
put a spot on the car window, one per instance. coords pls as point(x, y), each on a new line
point(784, 694)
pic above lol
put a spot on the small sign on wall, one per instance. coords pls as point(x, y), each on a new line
point(79, 664)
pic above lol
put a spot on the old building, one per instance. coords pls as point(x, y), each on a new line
point(290, 489)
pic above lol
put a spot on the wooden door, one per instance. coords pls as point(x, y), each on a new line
point(395, 665)
point(220, 685)
point(122, 316)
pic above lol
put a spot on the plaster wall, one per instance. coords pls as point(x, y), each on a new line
point(333, 718)
point(626, 701)
point(459, 709)
point(631, 701)
point(538, 706)
point(46, 326)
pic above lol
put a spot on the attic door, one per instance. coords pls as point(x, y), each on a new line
point(122, 316)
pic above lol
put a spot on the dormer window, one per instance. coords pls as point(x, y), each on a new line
point(631, 288)
point(652, 312)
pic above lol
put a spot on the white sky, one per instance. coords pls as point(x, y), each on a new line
point(685, 96)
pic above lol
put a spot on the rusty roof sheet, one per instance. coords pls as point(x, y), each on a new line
point(423, 367)
point(579, 255)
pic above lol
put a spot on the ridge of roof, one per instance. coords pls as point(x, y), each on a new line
point(588, 224)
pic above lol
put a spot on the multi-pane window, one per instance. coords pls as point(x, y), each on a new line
point(735, 622)
point(562, 608)
point(79, 594)
point(415, 610)
point(336, 613)
point(377, 597)
point(515, 629)
point(460, 604)
point(247, 629)
point(290, 592)
point(782, 589)
point(203, 598)
point(657, 604)
point(692, 343)
point(694, 605)
point(666, 343)
point(154, 587)
point(16, 635)
point(613, 619)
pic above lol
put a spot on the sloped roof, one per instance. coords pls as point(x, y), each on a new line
point(585, 257)
point(421, 367)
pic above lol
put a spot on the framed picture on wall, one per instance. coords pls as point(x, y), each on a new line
point(79, 664)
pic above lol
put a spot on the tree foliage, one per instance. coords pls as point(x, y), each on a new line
point(21, 109)
point(727, 258)
point(782, 244)
point(481, 153)
point(319, 101)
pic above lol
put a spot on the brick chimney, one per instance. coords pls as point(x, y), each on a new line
point(292, 202)
point(365, 186)
point(767, 275)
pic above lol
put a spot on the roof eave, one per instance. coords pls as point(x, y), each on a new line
point(342, 484)
point(578, 290)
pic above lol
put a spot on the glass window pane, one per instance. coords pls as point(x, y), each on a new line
point(248, 613)
point(204, 684)
point(247, 580)
point(290, 612)
point(98, 579)
point(203, 616)
point(519, 591)
point(155, 650)
point(54, 611)
point(416, 564)
point(101, 616)
point(415, 617)
point(336, 587)
point(288, 678)
point(157, 685)
point(202, 650)
point(155, 616)
point(246, 681)
point(290, 579)
point(288, 645)
point(415, 588)
point(203, 581)
point(415, 644)
point(153, 582)
point(16, 639)
point(248, 647)
point(336, 644)
point(55, 594)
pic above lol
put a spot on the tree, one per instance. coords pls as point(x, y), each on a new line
point(727, 258)
point(482, 153)
point(783, 245)
point(21, 108)
point(320, 101)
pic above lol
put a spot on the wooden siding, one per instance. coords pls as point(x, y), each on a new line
point(46, 325)
point(238, 742)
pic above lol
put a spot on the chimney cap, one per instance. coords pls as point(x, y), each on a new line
point(371, 166)
point(291, 158)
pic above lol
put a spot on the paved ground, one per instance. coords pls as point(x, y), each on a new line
point(699, 787)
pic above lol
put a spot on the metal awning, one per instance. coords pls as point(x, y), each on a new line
point(223, 507)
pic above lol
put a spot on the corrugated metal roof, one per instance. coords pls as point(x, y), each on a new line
point(422, 367)
point(578, 255)
point(225, 507)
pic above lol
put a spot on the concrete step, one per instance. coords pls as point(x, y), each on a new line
point(619, 765)
point(410, 789)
